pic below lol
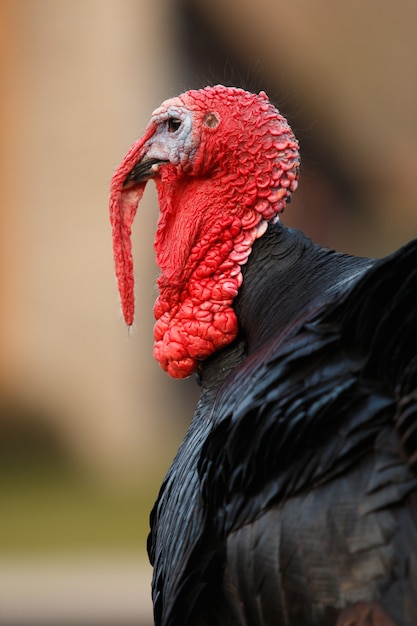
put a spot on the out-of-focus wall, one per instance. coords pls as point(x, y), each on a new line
point(10, 115)
point(84, 77)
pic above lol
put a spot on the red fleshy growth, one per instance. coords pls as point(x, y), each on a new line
point(123, 205)
point(236, 177)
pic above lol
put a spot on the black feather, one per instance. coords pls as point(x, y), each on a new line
point(293, 498)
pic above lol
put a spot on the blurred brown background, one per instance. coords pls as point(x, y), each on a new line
point(88, 422)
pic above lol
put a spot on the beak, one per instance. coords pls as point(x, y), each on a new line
point(126, 191)
point(142, 172)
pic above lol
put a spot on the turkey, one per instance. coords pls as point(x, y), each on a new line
point(292, 500)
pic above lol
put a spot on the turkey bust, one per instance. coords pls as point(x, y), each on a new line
point(292, 500)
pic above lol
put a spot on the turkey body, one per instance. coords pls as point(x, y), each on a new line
point(292, 500)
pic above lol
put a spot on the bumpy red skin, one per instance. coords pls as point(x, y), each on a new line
point(236, 177)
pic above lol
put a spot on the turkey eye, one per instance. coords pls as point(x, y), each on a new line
point(173, 124)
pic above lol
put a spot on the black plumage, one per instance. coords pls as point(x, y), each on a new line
point(293, 498)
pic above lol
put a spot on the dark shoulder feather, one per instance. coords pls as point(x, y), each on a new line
point(319, 397)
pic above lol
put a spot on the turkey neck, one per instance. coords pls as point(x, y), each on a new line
point(286, 275)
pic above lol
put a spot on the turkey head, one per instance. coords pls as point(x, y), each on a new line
point(224, 162)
